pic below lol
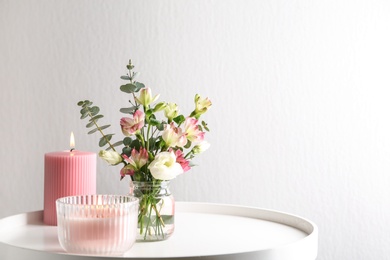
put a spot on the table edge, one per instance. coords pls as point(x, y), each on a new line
point(305, 225)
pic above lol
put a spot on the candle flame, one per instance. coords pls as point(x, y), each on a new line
point(72, 143)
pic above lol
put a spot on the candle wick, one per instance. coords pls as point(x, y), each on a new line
point(72, 149)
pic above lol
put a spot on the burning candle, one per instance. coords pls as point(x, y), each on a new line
point(67, 173)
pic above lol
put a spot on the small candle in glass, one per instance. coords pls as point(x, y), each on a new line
point(97, 224)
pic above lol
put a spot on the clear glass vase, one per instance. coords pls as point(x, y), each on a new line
point(156, 210)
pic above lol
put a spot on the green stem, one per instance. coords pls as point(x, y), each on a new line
point(147, 137)
point(188, 154)
point(150, 214)
point(140, 136)
point(158, 215)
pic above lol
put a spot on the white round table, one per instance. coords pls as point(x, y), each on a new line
point(202, 230)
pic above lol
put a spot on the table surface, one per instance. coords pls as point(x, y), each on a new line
point(202, 230)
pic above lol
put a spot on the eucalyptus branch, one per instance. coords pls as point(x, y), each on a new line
point(101, 131)
point(93, 114)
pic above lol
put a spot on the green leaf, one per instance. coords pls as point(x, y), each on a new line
point(94, 110)
point(95, 118)
point(157, 144)
point(127, 150)
point(152, 142)
point(136, 144)
point(80, 103)
point(117, 143)
point(154, 122)
point(149, 113)
point(128, 110)
point(139, 86)
point(93, 131)
point(127, 141)
point(114, 145)
point(134, 75)
point(179, 119)
point(161, 126)
point(84, 110)
point(87, 103)
point(188, 145)
point(104, 140)
point(83, 116)
point(129, 88)
point(104, 127)
point(96, 129)
point(125, 77)
point(160, 106)
point(161, 143)
point(204, 124)
point(90, 124)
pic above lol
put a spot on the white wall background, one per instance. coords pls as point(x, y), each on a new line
point(300, 90)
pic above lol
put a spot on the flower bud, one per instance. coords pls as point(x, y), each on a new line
point(111, 157)
point(201, 147)
point(145, 97)
point(171, 111)
point(201, 105)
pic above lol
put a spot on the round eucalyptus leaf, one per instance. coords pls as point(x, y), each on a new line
point(128, 88)
point(127, 141)
point(94, 110)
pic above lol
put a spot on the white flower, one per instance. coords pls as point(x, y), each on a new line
point(201, 147)
point(111, 157)
point(164, 166)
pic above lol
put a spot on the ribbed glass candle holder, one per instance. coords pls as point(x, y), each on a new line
point(97, 224)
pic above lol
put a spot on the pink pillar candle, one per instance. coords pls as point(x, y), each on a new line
point(67, 173)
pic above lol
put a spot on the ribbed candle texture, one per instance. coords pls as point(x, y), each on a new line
point(97, 224)
point(67, 173)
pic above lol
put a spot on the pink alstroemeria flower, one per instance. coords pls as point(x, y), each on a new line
point(185, 164)
point(137, 159)
point(135, 162)
point(192, 130)
point(131, 125)
point(174, 136)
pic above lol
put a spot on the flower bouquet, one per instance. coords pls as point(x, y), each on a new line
point(154, 150)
